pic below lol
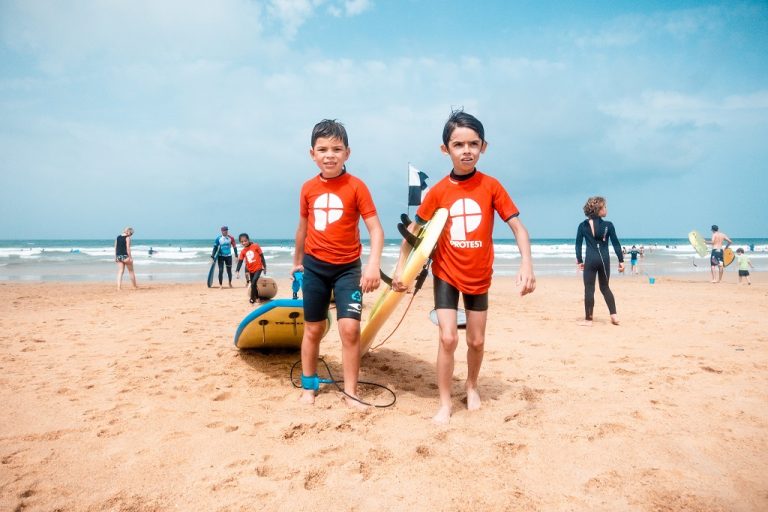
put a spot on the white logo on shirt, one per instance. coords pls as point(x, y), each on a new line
point(466, 216)
point(328, 209)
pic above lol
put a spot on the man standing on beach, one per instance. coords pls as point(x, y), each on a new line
point(716, 258)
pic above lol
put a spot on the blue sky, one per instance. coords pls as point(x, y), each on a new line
point(178, 116)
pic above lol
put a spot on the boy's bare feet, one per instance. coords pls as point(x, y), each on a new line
point(307, 397)
point(614, 319)
point(473, 399)
point(354, 404)
point(443, 415)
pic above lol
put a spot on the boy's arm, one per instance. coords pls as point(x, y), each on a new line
point(525, 278)
point(371, 279)
point(263, 262)
point(215, 248)
point(298, 253)
point(234, 245)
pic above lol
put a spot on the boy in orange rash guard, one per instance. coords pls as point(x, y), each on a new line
point(463, 261)
point(328, 251)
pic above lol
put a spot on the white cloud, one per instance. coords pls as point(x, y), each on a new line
point(632, 29)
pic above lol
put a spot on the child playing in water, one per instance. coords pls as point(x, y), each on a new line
point(328, 252)
point(463, 261)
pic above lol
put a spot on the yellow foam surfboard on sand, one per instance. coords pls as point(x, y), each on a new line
point(388, 299)
point(698, 242)
point(276, 324)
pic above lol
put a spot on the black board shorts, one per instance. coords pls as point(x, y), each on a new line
point(743, 273)
point(447, 297)
point(716, 258)
point(321, 278)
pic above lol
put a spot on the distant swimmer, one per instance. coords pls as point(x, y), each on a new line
point(597, 233)
point(716, 261)
point(151, 251)
point(223, 247)
point(123, 257)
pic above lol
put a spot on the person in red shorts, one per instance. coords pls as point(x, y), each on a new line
point(255, 264)
point(328, 252)
point(463, 260)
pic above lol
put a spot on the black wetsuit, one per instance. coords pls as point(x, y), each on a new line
point(597, 261)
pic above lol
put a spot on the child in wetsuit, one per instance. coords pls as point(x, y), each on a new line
point(328, 251)
point(463, 261)
point(597, 233)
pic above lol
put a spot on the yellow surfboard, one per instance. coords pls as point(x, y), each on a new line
point(698, 242)
point(276, 324)
point(388, 299)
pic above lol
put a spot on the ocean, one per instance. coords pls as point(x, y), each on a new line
point(189, 260)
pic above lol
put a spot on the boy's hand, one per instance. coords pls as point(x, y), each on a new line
point(397, 284)
point(370, 279)
point(526, 281)
point(621, 266)
point(296, 268)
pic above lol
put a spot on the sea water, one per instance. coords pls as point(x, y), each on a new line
point(189, 260)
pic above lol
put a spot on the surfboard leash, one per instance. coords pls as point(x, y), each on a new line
point(313, 382)
point(419, 283)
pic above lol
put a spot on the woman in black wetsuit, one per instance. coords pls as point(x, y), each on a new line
point(597, 233)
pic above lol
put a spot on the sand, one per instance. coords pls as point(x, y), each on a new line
point(138, 401)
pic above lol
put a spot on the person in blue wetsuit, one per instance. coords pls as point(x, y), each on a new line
point(223, 248)
point(597, 233)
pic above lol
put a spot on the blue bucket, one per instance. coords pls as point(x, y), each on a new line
point(651, 280)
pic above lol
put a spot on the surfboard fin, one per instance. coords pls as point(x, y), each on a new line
point(405, 219)
point(409, 237)
point(385, 278)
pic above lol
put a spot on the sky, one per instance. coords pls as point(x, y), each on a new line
point(178, 116)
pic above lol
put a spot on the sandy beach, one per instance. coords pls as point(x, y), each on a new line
point(138, 401)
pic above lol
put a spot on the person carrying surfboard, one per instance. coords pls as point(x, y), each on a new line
point(328, 251)
point(463, 261)
point(255, 264)
point(223, 247)
point(717, 262)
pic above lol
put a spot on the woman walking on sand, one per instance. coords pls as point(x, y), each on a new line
point(597, 263)
point(123, 257)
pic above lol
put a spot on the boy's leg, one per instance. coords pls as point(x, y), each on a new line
point(476, 322)
point(310, 351)
point(349, 331)
point(349, 307)
point(317, 296)
point(220, 264)
point(449, 340)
